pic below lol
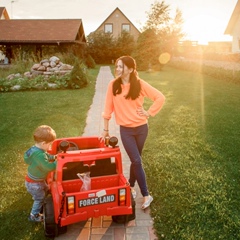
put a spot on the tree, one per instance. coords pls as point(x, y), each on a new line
point(101, 46)
point(161, 34)
point(104, 48)
point(174, 33)
point(78, 77)
point(147, 50)
point(89, 61)
point(125, 44)
point(158, 16)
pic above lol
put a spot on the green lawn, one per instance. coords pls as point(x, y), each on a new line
point(21, 112)
point(191, 156)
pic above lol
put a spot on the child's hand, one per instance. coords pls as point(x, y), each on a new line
point(52, 158)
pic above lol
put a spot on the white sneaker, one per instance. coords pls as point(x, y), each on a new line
point(147, 203)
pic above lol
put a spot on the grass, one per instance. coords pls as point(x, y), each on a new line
point(191, 156)
point(21, 112)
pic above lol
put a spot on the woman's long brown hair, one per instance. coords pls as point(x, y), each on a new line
point(135, 86)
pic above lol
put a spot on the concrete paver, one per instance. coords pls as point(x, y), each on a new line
point(103, 228)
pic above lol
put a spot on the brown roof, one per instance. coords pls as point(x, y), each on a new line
point(234, 18)
point(4, 13)
point(117, 9)
point(42, 31)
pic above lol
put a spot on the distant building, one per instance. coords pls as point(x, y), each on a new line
point(193, 47)
point(4, 14)
point(233, 28)
point(117, 22)
point(66, 33)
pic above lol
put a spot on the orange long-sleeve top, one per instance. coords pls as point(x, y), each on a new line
point(125, 110)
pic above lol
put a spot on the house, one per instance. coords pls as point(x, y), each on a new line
point(117, 22)
point(39, 33)
point(233, 28)
point(4, 14)
point(35, 31)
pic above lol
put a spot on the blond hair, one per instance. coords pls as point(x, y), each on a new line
point(44, 133)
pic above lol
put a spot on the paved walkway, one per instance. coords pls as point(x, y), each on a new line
point(103, 228)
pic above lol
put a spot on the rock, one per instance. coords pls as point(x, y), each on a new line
point(44, 61)
point(52, 85)
point(46, 64)
point(63, 72)
point(53, 64)
point(66, 67)
point(16, 88)
point(54, 59)
point(47, 68)
point(35, 73)
point(36, 66)
point(27, 74)
point(48, 73)
point(17, 75)
point(11, 76)
point(41, 68)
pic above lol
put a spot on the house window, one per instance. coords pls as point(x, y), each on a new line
point(126, 27)
point(108, 28)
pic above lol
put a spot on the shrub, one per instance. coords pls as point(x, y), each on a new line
point(89, 61)
point(78, 77)
point(213, 71)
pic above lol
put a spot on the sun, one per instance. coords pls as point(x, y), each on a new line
point(205, 28)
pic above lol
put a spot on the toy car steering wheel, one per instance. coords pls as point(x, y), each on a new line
point(66, 145)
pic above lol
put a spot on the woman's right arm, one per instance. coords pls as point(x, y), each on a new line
point(108, 109)
point(105, 132)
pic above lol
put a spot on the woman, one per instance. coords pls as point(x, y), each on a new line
point(125, 97)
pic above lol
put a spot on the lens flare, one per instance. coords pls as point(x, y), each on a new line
point(164, 58)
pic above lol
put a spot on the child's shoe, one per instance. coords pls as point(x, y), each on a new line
point(35, 218)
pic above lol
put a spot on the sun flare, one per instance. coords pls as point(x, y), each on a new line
point(205, 28)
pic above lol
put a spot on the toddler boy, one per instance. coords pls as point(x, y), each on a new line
point(40, 163)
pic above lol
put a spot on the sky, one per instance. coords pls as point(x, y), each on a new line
point(204, 20)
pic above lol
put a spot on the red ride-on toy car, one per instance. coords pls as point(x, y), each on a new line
point(108, 192)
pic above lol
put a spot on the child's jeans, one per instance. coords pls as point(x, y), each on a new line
point(38, 191)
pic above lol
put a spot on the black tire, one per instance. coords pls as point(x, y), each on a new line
point(126, 218)
point(50, 227)
point(132, 216)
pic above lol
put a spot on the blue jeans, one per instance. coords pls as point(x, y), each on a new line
point(133, 139)
point(38, 191)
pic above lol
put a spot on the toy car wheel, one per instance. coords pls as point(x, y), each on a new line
point(126, 218)
point(51, 229)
